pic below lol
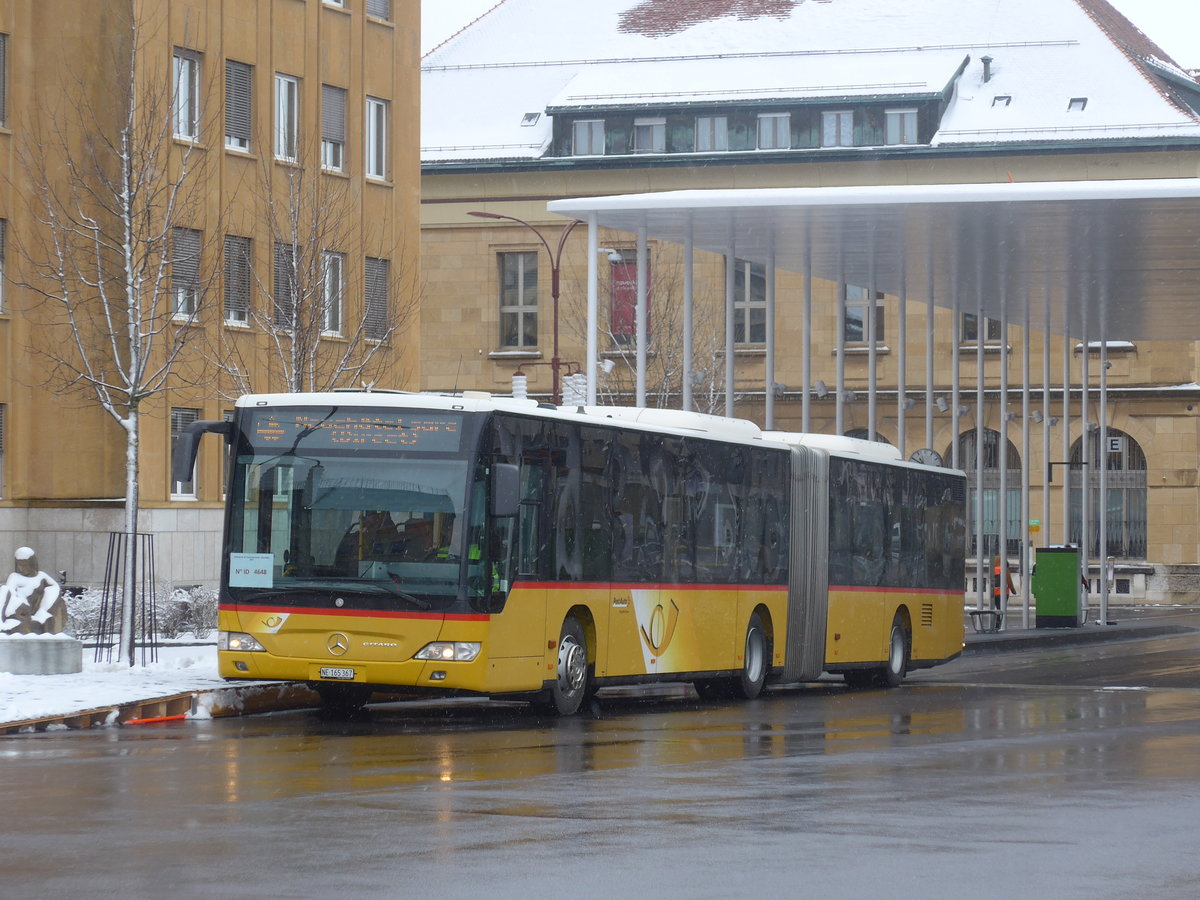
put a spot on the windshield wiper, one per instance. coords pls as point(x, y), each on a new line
point(391, 589)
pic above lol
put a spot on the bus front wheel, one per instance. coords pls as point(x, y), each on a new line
point(571, 674)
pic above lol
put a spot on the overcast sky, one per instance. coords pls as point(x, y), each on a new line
point(1172, 24)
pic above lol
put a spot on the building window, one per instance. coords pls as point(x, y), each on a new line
point(857, 305)
point(284, 289)
point(380, 9)
point(622, 322)
point(969, 329)
point(375, 325)
point(749, 303)
point(712, 133)
point(1125, 508)
point(237, 279)
point(518, 299)
point(333, 276)
point(3, 229)
point(1077, 104)
point(774, 131)
point(989, 482)
point(3, 79)
point(185, 272)
point(837, 128)
point(588, 137)
point(333, 127)
point(2, 410)
point(238, 91)
point(649, 135)
point(186, 106)
point(900, 126)
point(287, 112)
point(180, 420)
point(376, 138)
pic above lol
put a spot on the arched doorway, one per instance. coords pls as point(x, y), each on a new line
point(1125, 506)
point(990, 485)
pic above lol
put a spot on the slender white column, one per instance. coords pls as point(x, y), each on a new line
point(688, 275)
point(593, 244)
point(730, 268)
point(642, 318)
point(770, 360)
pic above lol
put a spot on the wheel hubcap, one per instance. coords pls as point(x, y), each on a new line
point(754, 654)
point(897, 660)
point(572, 665)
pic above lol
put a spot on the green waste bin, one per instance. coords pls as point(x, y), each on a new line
point(1055, 585)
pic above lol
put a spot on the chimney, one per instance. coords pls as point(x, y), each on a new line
point(987, 68)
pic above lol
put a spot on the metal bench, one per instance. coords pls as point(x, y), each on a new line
point(986, 621)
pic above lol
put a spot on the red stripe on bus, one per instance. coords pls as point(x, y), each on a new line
point(868, 589)
point(641, 586)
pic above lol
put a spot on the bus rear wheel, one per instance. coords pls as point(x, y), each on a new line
point(570, 685)
point(898, 652)
point(756, 661)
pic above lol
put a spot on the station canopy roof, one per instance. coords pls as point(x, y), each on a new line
point(1109, 260)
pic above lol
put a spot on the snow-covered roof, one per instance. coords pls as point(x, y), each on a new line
point(530, 56)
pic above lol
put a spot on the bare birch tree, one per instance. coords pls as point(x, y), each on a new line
point(117, 259)
point(323, 319)
point(664, 369)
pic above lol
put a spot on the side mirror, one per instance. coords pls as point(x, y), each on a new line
point(183, 461)
point(505, 490)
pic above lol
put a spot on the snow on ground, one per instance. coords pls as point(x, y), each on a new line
point(179, 669)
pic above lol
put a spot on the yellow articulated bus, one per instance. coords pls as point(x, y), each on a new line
point(391, 542)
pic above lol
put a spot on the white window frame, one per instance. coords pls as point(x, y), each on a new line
point(186, 247)
point(380, 9)
point(650, 135)
point(375, 139)
point(774, 131)
point(900, 126)
point(3, 79)
point(587, 137)
point(992, 331)
point(524, 296)
point(747, 302)
point(185, 102)
point(237, 279)
point(837, 128)
point(287, 116)
point(180, 419)
point(333, 128)
point(712, 134)
point(856, 297)
point(376, 275)
point(239, 104)
point(333, 290)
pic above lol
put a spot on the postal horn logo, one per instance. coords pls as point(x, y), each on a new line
point(337, 644)
point(661, 628)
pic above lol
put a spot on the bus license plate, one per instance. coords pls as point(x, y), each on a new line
point(340, 674)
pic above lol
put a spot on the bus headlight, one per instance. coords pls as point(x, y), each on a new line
point(236, 640)
point(449, 651)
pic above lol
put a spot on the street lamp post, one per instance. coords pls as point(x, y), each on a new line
point(555, 259)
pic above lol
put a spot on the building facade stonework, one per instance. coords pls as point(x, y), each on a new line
point(283, 127)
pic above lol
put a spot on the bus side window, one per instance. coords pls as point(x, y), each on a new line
point(530, 545)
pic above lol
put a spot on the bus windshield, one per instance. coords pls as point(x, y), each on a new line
point(368, 505)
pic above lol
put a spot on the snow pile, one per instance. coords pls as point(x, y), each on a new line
point(179, 670)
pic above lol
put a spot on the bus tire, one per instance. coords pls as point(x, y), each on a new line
point(756, 661)
point(892, 674)
point(570, 685)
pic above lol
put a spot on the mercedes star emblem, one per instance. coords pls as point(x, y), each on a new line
point(337, 644)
